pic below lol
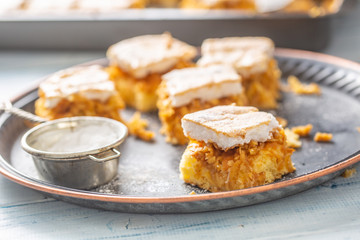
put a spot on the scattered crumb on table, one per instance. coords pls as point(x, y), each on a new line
point(302, 131)
point(299, 88)
point(349, 172)
point(323, 137)
point(192, 193)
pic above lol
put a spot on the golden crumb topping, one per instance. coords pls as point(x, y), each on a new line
point(292, 139)
point(302, 131)
point(137, 127)
point(349, 173)
point(323, 137)
point(299, 88)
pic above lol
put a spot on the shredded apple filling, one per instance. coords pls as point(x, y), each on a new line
point(248, 165)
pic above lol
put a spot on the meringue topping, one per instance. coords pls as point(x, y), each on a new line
point(91, 82)
point(229, 126)
point(204, 83)
point(143, 55)
point(246, 54)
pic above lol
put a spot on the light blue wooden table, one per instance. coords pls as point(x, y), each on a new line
point(329, 211)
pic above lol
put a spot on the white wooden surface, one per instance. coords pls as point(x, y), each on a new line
point(329, 211)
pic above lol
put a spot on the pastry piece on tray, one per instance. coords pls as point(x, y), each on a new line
point(137, 64)
point(189, 90)
point(79, 91)
point(219, 4)
point(252, 57)
point(233, 147)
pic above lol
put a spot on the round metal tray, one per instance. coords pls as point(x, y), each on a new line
point(148, 176)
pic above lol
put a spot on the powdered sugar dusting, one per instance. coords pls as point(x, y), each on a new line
point(229, 126)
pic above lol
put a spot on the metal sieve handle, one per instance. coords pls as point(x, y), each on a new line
point(6, 106)
point(117, 154)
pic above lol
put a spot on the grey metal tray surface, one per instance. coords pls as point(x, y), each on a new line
point(148, 175)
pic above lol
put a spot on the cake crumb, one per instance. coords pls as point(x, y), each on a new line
point(282, 121)
point(315, 12)
point(137, 127)
point(302, 131)
point(349, 173)
point(323, 137)
point(358, 128)
point(292, 139)
point(192, 193)
point(299, 88)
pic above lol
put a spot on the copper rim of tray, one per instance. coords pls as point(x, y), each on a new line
point(17, 177)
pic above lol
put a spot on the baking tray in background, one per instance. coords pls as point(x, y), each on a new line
point(98, 31)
